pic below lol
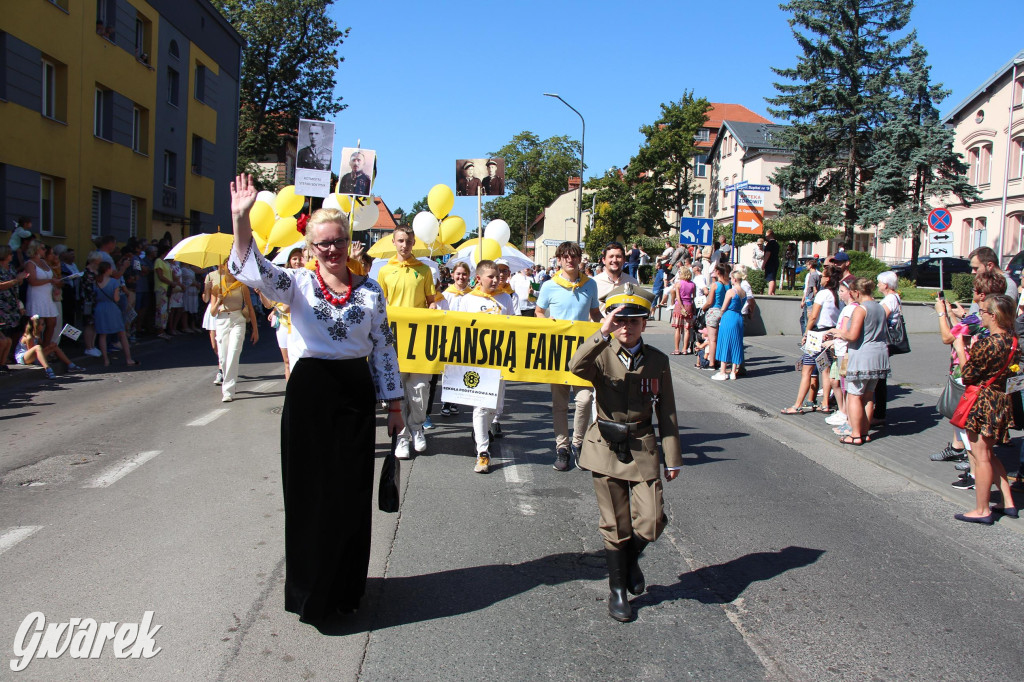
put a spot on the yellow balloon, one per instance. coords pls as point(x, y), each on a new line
point(288, 203)
point(285, 233)
point(261, 217)
point(440, 200)
point(491, 250)
point(346, 203)
point(261, 243)
point(453, 228)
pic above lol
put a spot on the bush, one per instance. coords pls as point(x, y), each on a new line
point(905, 284)
point(756, 280)
point(963, 286)
point(864, 265)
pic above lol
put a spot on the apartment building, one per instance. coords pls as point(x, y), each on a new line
point(120, 116)
point(989, 128)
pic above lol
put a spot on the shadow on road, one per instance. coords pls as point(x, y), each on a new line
point(723, 583)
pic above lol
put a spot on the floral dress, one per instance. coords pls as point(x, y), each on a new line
point(992, 413)
point(10, 311)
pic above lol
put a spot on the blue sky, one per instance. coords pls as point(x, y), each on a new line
point(429, 82)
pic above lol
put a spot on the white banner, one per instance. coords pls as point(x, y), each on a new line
point(476, 386)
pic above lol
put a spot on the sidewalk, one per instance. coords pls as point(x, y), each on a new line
point(914, 430)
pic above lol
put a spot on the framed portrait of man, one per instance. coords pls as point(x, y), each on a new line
point(357, 165)
point(313, 160)
point(485, 176)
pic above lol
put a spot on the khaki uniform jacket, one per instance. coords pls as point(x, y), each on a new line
point(625, 396)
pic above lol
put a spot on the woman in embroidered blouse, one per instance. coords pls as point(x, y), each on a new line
point(347, 362)
point(991, 417)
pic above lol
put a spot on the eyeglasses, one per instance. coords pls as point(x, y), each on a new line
point(338, 244)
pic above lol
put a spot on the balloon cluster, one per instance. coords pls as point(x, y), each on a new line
point(435, 227)
point(273, 218)
point(496, 235)
point(365, 215)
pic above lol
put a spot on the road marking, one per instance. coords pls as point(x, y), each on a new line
point(208, 417)
point(15, 535)
point(519, 478)
point(122, 469)
point(264, 387)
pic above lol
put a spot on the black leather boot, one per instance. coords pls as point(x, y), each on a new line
point(636, 582)
point(618, 600)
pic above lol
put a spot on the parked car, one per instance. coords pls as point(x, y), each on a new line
point(928, 270)
point(1015, 266)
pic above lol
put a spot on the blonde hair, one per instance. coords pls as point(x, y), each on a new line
point(741, 269)
point(462, 264)
point(34, 247)
point(327, 215)
point(685, 273)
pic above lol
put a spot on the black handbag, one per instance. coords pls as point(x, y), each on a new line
point(950, 397)
point(390, 472)
point(896, 330)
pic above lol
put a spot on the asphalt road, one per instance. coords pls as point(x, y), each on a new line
point(784, 558)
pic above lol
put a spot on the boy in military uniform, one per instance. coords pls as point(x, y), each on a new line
point(631, 382)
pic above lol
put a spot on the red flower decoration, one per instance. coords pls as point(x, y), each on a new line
point(300, 224)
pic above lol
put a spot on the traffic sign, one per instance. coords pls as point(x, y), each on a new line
point(738, 185)
point(940, 220)
point(940, 249)
point(757, 188)
point(699, 231)
point(749, 220)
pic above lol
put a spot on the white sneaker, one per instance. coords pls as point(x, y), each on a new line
point(219, 379)
point(226, 399)
point(720, 377)
point(402, 449)
point(837, 418)
point(93, 352)
point(419, 441)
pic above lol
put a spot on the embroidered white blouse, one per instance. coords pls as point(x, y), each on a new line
point(359, 329)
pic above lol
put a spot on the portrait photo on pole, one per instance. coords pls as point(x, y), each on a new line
point(313, 162)
point(485, 174)
point(357, 166)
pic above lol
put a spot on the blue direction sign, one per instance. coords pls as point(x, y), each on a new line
point(757, 188)
point(699, 231)
point(940, 220)
point(739, 185)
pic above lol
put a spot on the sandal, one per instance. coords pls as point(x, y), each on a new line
point(792, 410)
point(675, 352)
point(854, 440)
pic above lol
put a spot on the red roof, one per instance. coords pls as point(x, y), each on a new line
point(727, 112)
point(385, 221)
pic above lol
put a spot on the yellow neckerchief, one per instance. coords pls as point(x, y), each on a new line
point(480, 292)
point(231, 287)
point(566, 284)
point(283, 316)
point(452, 289)
point(404, 263)
point(505, 288)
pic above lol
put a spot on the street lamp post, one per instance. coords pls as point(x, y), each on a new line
point(583, 137)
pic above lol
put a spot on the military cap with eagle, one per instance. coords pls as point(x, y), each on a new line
point(636, 301)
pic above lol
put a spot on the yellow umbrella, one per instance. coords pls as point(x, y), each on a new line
point(202, 250)
point(385, 248)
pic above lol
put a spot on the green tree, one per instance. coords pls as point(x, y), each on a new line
point(839, 92)
point(790, 227)
point(289, 67)
point(913, 160)
point(661, 173)
point(536, 173)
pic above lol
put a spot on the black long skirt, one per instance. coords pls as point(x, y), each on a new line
point(327, 445)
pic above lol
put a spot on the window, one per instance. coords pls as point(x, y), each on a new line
point(200, 85)
point(170, 169)
point(1017, 158)
point(136, 129)
point(1016, 223)
point(698, 205)
point(703, 135)
point(133, 217)
point(1018, 93)
point(46, 204)
point(700, 166)
point(980, 233)
point(97, 212)
point(979, 158)
point(197, 155)
point(106, 16)
point(966, 234)
point(101, 114)
point(49, 89)
point(143, 38)
point(172, 86)
point(172, 49)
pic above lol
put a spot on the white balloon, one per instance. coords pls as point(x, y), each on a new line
point(266, 197)
point(365, 217)
point(498, 231)
point(425, 226)
point(332, 202)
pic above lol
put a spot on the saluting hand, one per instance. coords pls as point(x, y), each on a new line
point(611, 324)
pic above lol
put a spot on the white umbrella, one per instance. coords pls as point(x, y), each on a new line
point(378, 263)
point(516, 259)
point(282, 257)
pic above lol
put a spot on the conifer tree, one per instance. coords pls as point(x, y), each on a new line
point(913, 165)
point(839, 92)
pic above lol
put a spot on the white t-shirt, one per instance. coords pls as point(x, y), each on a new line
point(829, 312)
point(501, 305)
point(520, 283)
point(748, 296)
point(892, 303)
point(843, 320)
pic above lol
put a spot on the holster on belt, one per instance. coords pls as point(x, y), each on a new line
point(617, 436)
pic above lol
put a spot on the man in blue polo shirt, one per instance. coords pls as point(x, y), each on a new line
point(569, 295)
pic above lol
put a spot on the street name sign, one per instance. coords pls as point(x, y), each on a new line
point(699, 231)
point(736, 186)
point(757, 188)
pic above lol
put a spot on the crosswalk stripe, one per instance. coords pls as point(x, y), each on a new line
point(13, 536)
point(264, 387)
point(208, 417)
point(122, 469)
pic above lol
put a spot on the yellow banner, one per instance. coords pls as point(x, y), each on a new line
point(523, 348)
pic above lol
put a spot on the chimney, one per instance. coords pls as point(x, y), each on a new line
point(574, 183)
